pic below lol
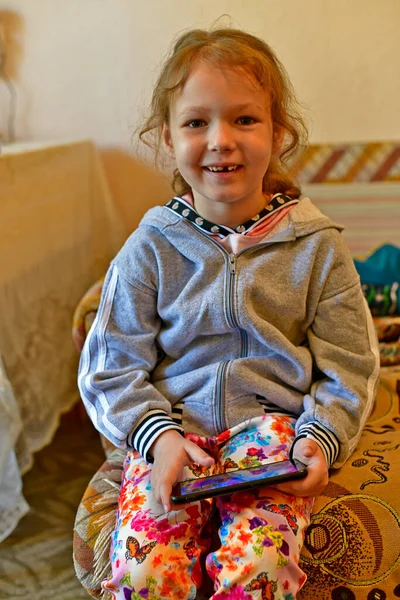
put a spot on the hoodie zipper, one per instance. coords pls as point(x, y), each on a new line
point(220, 380)
point(232, 320)
point(222, 367)
point(231, 315)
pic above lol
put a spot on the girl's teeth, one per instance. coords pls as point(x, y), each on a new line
point(231, 168)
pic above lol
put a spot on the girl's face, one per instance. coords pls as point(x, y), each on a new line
point(221, 136)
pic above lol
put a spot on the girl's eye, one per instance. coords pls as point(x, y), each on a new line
point(195, 123)
point(246, 120)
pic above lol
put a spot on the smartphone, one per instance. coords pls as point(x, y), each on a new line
point(191, 490)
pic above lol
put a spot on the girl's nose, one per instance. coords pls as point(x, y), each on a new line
point(221, 138)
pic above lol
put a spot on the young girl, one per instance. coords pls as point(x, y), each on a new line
point(232, 331)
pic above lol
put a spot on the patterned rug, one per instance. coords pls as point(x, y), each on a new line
point(36, 559)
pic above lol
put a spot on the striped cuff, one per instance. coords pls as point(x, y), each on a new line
point(150, 426)
point(325, 439)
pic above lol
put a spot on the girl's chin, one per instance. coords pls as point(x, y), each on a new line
point(218, 198)
point(229, 210)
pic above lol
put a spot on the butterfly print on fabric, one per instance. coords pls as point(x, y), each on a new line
point(262, 583)
point(135, 551)
point(229, 464)
point(198, 470)
point(284, 509)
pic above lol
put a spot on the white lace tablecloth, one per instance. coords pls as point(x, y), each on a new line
point(58, 231)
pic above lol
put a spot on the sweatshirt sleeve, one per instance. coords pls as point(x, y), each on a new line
point(117, 359)
point(325, 439)
point(345, 351)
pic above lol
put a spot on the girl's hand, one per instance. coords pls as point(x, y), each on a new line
point(309, 453)
point(171, 452)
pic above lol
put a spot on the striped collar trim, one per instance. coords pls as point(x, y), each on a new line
point(186, 211)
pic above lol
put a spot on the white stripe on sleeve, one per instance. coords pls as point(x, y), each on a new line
point(96, 336)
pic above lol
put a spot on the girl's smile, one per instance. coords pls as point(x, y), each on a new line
point(222, 171)
point(221, 136)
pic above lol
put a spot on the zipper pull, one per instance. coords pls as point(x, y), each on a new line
point(232, 263)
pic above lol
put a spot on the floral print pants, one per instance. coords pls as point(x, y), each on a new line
point(261, 531)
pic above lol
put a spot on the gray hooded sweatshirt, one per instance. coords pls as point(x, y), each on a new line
point(184, 324)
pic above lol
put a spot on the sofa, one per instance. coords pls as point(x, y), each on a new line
point(352, 546)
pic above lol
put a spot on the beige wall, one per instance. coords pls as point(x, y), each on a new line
point(86, 67)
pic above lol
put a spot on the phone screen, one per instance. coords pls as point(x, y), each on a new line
point(239, 479)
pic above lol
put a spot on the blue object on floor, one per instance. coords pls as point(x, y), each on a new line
point(381, 268)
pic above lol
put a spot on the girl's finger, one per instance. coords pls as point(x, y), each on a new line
point(165, 500)
point(197, 455)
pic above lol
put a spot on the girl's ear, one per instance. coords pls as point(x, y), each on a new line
point(278, 137)
point(167, 139)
